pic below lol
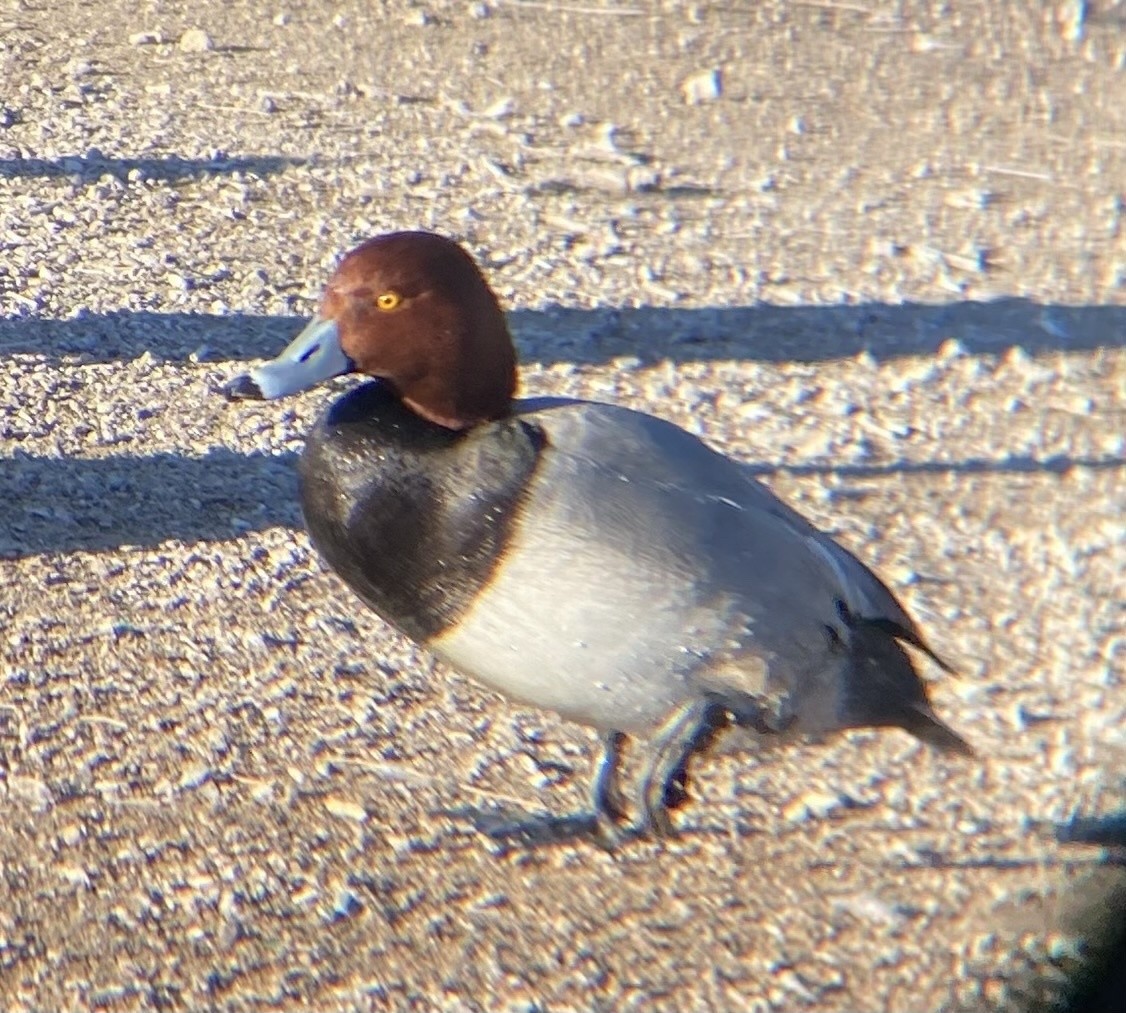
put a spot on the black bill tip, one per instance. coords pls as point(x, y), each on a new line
point(242, 388)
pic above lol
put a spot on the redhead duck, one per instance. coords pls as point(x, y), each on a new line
point(579, 557)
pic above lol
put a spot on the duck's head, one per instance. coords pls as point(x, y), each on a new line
point(412, 309)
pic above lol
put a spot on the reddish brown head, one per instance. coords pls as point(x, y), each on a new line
point(412, 309)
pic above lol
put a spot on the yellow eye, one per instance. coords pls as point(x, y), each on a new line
point(388, 300)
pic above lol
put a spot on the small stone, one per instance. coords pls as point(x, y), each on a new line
point(643, 178)
point(1073, 17)
point(145, 39)
point(500, 109)
point(418, 19)
point(903, 575)
point(195, 40)
point(75, 875)
point(306, 895)
point(951, 348)
point(346, 905)
point(703, 87)
point(1016, 358)
point(479, 11)
point(607, 139)
point(813, 804)
point(195, 775)
point(1062, 947)
point(281, 20)
point(345, 809)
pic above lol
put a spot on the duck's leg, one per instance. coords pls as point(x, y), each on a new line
point(606, 796)
point(690, 731)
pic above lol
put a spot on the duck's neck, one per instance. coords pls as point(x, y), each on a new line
point(465, 377)
point(378, 410)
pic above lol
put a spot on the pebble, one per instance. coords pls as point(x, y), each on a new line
point(951, 348)
point(707, 86)
point(195, 40)
point(345, 809)
point(345, 905)
point(1015, 357)
point(869, 907)
point(501, 109)
point(195, 775)
point(1073, 20)
point(813, 804)
point(607, 137)
point(75, 875)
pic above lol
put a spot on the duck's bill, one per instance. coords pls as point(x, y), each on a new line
point(314, 355)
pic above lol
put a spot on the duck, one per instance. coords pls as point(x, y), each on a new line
point(579, 557)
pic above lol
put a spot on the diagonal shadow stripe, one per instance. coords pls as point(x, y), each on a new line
point(168, 169)
point(762, 333)
point(92, 504)
point(1014, 464)
point(68, 504)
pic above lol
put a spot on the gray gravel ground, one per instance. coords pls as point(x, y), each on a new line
point(877, 250)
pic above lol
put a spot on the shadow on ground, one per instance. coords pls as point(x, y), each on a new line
point(67, 504)
point(169, 169)
point(58, 505)
point(761, 333)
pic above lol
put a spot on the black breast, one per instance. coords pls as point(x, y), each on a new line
point(414, 517)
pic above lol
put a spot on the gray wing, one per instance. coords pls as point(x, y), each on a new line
point(664, 487)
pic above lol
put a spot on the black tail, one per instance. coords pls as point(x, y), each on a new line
point(885, 690)
point(932, 730)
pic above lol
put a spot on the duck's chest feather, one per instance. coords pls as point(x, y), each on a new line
point(414, 517)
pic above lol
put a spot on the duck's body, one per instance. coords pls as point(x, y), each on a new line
point(601, 563)
point(598, 562)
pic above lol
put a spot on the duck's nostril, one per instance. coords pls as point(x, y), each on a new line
point(242, 388)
